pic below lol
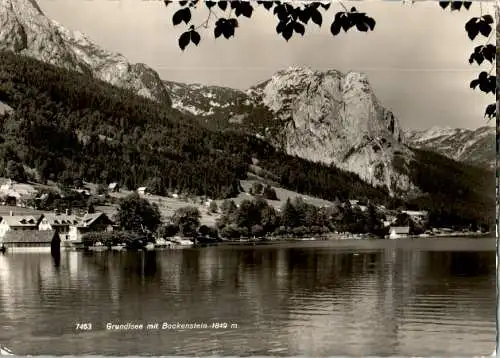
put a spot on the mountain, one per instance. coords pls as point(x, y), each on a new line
point(76, 109)
point(326, 117)
point(26, 30)
point(335, 118)
point(68, 126)
point(476, 147)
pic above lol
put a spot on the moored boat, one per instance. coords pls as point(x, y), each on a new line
point(5, 352)
point(179, 241)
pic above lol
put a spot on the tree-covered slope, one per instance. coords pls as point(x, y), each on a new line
point(68, 125)
point(453, 192)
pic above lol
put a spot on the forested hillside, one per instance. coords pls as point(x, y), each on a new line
point(454, 192)
point(69, 126)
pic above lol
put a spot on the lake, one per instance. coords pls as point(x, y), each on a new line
point(379, 297)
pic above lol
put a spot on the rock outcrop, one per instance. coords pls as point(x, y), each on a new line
point(25, 29)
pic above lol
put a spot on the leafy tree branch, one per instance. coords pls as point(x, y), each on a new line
point(293, 18)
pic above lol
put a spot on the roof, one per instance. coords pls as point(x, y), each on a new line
point(415, 213)
point(61, 219)
point(142, 188)
point(112, 185)
point(22, 220)
point(10, 192)
point(41, 236)
point(400, 229)
point(89, 219)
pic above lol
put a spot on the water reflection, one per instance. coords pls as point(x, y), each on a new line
point(286, 300)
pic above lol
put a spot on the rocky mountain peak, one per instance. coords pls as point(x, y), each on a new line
point(335, 118)
point(25, 29)
point(473, 146)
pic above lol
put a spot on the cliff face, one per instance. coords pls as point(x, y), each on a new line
point(26, 30)
point(336, 119)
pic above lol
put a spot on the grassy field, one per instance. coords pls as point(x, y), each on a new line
point(167, 205)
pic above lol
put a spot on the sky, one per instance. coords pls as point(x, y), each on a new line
point(416, 59)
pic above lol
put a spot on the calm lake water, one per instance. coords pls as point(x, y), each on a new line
point(395, 297)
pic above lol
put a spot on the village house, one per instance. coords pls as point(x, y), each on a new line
point(114, 187)
point(85, 192)
point(416, 216)
point(397, 232)
point(58, 222)
point(97, 222)
point(16, 194)
point(142, 190)
point(21, 223)
point(33, 240)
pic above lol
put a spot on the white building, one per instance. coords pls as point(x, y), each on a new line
point(397, 232)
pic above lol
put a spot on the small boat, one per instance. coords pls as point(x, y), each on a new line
point(98, 246)
point(119, 247)
point(4, 351)
point(182, 242)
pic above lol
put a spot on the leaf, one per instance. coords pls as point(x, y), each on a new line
point(491, 111)
point(456, 5)
point(467, 4)
point(479, 58)
point(444, 4)
point(183, 3)
point(489, 52)
point(219, 25)
point(280, 27)
point(487, 19)
point(484, 28)
point(187, 15)
point(353, 9)
point(346, 22)
point(222, 5)
point(474, 83)
point(178, 17)
point(299, 28)
point(233, 22)
point(493, 84)
point(184, 40)
point(228, 28)
point(287, 32)
point(281, 12)
point(247, 10)
point(325, 6)
point(210, 4)
point(484, 86)
point(195, 37)
point(335, 28)
point(167, 2)
point(267, 4)
point(370, 22)
point(316, 17)
point(304, 16)
point(472, 28)
point(361, 26)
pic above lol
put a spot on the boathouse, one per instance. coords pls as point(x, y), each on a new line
point(46, 240)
